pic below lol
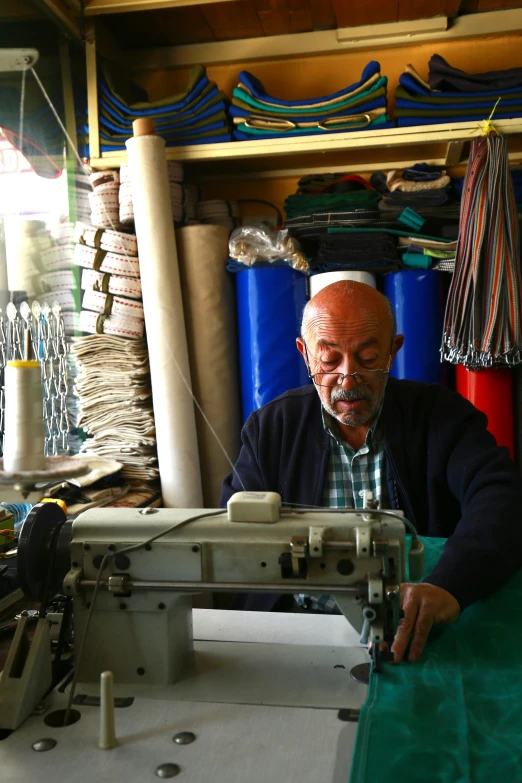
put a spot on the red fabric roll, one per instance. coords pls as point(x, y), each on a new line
point(491, 391)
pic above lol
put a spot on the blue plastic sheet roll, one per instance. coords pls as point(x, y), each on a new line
point(417, 300)
point(270, 304)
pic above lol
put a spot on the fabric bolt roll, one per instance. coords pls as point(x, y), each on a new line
point(321, 280)
point(65, 299)
point(208, 305)
point(491, 391)
point(51, 259)
point(174, 172)
point(117, 325)
point(104, 201)
point(71, 322)
point(219, 212)
point(102, 261)
point(127, 210)
point(111, 241)
point(63, 280)
point(196, 115)
point(362, 105)
point(458, 96)
point(270, 303)
point(111, 284)
point(417, 299)
point(166, 335)
point(108, 304)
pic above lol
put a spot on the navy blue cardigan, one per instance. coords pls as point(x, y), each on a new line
point(443, 469)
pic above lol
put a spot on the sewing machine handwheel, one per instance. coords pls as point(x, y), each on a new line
point(43, 550)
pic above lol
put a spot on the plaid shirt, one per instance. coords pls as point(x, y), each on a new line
point(349, 473)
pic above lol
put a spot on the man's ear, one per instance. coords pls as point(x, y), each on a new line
point(398, 342)
point(301, 347)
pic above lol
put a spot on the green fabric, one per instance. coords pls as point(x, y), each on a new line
point(312, 131)
point(245, 101)
point(182, 130)
point(458, 99)
point(167, 114)
point(416, 260)
point(453, 717)
point(298, 204)
point(460, 113)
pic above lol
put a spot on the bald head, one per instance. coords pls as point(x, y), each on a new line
point(348, 303)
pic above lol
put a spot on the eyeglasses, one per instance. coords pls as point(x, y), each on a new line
point(365, 377)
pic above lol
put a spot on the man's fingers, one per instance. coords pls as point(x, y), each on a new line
point(405, 629)
point(421, 632)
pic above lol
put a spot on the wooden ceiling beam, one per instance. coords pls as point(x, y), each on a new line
point(96, 7)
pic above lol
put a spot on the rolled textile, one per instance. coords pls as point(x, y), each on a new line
point(491, 391)
point(320, 281)
point(270, 303)
point(108, 304)
point(117, 325)
point(417, 301)
point(102, 261)
point(162, 303)
point(208, 304)
point(111, 284)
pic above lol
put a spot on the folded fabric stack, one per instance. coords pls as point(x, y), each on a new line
point(361, 106)
point(115, 396)
point(452, 95)
point(420, 198)
point(424, 253)
point(104, 199)
point(218, 212)
point(345, 202)
point(177, 194)
point(197, 115)
point(112, 299)
point(356, 250)
point(58, 281)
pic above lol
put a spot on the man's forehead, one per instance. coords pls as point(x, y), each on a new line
point(328, 330)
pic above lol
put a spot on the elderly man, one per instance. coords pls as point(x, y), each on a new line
point(419, 447)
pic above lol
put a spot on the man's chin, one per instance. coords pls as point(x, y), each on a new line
point(352, 419)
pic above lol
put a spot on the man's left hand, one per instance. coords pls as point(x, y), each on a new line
point(423, 605)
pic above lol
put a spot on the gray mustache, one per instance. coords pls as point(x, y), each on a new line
point(349, 395)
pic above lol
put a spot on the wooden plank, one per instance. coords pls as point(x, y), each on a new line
point(237, 19)
point(323, 17)
point(61, 16)
point(426, 9)
point(329, 41)
point(454, 153)
point(184, 25)
point(92, 88)
point(353, 14)
point(468, 6)
point(137, 29)
point(96, 7)
point(284, 16)
point(22, 11)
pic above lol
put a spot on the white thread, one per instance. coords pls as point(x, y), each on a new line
point(24, 435)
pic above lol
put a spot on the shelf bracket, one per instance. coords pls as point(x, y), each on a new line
point(454, 153)
point(92, 88)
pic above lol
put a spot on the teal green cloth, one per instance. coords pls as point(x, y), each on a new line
point(311, 131)
point(416, 260)
point(454, 716)
point(303, 204)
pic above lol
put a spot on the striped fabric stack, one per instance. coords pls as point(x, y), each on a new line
point(181, 198)
point(451, 95)
point(110, 279)
point(197, 115)
point(361, 106)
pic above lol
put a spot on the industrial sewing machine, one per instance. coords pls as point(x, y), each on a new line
point(131, 574)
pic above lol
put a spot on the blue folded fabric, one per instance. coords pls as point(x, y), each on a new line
point(258, 91)
point(422, 172)
point(410, 121)
point(412, 85)
point(486, 105)
point(163, 130)
point(241, 134)
point(199, 108)
point(217, 139)
point(377, 103)
point(202, 83)
point(172, 136)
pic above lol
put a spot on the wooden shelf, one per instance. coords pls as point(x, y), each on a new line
point(359, 151)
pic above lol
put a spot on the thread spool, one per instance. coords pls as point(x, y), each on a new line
point(24, 437)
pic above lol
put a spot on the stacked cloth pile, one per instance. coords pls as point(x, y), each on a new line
point(423, 201)
point(452, 95)
point(197, 115)
point(115, 395)
point(361, 106)
point(324, 208)
point(110, 279)
point(58, 280)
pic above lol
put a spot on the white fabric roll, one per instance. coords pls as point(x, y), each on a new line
point(105, 206)
point(169, 366)
point(60, 281)
point(112, 241)
point(24, 436)
point(113, 263)
point(174, 171)
point(64, 298)
point(318, 282)
point(112, 284)
point(97, 302)
point(120, 326)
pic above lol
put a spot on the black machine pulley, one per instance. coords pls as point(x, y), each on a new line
point(43, 551)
